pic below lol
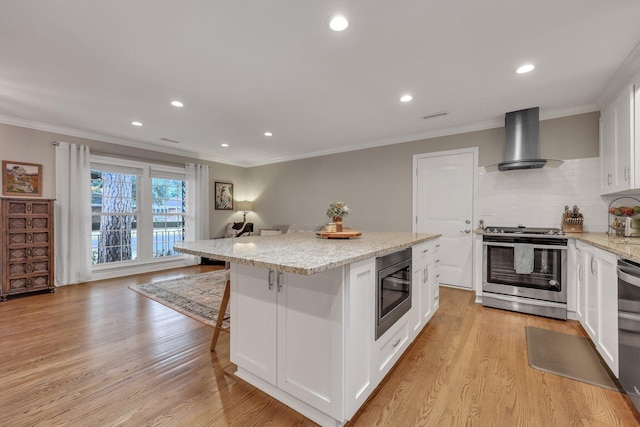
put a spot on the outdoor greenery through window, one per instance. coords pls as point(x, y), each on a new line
point(138, 211)
point(168, 215)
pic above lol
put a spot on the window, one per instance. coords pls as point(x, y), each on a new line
point(113, 217)
point(138, 211)
point(168, 219)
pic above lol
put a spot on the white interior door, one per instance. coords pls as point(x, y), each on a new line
point(444, 199)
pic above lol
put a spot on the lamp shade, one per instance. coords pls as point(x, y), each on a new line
point(245, 205)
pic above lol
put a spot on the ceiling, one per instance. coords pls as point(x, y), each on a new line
point(89, 68)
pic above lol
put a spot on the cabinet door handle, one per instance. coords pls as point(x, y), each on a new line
point(593, 269)
point(627, 173)
point(426, 275)
point(271, 279)
point(580, 273)
point(609, 176)
point(280, 280)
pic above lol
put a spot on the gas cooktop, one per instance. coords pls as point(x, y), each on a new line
point(524, 230)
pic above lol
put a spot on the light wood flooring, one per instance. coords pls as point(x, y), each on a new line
point(99, 354)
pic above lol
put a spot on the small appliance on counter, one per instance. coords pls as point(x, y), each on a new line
point(572, 220)
point(624, 217)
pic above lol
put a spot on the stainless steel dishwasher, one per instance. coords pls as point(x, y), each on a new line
point(629, 328)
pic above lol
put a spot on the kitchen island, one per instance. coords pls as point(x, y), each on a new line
point(303, 315)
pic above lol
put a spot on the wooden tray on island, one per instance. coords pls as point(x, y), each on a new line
point(348, 234)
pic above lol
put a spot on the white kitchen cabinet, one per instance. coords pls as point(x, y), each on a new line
point(607, 150)
point(591, 293)
point(425, 284)
point(282, 324)
point(253, 314)
point(361, 370)
point(597, 306)
point(580, 283)
point(618, 141)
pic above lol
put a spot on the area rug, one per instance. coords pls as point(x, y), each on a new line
point(569, 356)
point(196, 296)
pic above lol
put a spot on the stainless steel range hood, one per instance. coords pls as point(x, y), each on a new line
point(521, 142)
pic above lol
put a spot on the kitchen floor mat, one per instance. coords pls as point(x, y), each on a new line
point(569, 356)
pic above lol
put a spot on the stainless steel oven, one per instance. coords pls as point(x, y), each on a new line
point(393, 289)
point(524, 270)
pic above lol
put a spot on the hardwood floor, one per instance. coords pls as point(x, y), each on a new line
point(99, 354)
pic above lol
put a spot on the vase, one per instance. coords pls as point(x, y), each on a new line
point(338, 221)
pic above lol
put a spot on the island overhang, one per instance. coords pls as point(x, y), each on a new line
point(302, 253)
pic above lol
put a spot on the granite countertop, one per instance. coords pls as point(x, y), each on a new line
point(628, 248)
point(301, 253)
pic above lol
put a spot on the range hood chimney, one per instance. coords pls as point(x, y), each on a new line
point(521, 142)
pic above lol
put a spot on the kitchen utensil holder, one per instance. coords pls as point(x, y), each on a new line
point(572, 224)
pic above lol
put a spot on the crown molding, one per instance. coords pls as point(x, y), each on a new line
point(628, 69)
point(474, 127)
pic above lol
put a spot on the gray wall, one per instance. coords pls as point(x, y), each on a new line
point(377, 183)
point(35, 146)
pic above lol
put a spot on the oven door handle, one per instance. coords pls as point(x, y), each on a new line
point(535, 246)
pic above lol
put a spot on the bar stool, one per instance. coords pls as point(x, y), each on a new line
point(221, 311)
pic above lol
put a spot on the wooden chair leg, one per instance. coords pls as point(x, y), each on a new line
point(221, 313)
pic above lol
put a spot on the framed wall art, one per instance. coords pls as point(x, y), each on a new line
point(224, 196)
point(21, 179)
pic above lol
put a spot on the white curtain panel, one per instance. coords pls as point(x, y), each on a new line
point(72, 214)
point(197, 218)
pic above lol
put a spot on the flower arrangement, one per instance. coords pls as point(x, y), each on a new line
point(337, 209)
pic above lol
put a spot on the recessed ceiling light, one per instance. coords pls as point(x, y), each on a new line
point(406, 98)
point(268, 134)
point(177, 104)
point(338, 23)
point(136, 124)
point(527, 68)
point(224, 144)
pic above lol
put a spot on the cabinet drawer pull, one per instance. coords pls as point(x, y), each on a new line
point(425, 251)
point(395, 344)
point(280, 280)
point(270, 279)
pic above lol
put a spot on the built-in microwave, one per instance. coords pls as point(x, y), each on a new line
point(393, 290)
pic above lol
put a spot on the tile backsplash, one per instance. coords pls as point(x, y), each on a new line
point(537, 197)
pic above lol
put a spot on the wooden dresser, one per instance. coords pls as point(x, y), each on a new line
point(26, 245)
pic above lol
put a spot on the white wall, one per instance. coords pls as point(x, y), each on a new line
point(537, 197)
